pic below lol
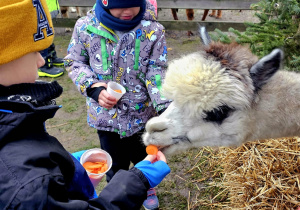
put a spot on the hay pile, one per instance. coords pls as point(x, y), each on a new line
point(263, 175)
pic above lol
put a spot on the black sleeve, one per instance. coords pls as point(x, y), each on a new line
point(161, 111)
point(127, 190)
point(94, 92)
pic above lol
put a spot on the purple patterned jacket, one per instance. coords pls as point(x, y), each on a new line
point(137, 60)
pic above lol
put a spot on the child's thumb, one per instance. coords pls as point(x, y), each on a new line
point(151, 158)
point(161, 156)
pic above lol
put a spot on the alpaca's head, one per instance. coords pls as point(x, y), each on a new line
point(212, 91)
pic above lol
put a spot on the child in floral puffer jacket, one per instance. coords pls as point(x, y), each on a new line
point(120, 41)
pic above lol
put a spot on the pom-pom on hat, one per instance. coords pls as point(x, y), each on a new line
point(111, 4)
point(25, 27)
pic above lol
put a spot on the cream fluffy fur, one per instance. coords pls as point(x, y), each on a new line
point(199, 82)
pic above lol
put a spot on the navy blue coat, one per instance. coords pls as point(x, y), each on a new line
point(36, 172)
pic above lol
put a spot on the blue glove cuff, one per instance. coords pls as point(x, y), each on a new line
point(81, 184)
point(78, 154)
point(154, 172)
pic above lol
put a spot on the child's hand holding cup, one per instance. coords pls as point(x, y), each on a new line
point(115, 89)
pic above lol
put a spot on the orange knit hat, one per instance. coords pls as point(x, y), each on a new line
point(25, 27)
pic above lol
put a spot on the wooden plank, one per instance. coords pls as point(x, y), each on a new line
point(186, 4)
point(176, 25)
point(79, 3)
point(206, 4)
point(64, 22)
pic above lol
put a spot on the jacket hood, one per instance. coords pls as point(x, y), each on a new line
point(150, 12)
point(23, 118)
point(25, 107)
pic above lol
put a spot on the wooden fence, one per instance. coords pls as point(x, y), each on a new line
point(177, 4)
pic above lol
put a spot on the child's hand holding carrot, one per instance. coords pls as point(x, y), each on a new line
point(157, 157)
point(154, 167)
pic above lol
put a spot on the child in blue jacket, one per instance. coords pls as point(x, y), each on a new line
point(36, 171)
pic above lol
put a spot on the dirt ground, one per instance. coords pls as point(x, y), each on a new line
point(177, 191)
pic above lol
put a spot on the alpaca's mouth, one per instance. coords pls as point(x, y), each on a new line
point(176, 140)
point(163, 148)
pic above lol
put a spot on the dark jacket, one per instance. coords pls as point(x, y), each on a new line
point(36, 172)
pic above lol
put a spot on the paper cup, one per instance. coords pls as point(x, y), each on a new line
point(96, 155)
point(112, 86)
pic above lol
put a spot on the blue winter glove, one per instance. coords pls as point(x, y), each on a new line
point(78, 154)
point(154, 172)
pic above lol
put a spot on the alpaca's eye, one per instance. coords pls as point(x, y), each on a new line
point(217, 115)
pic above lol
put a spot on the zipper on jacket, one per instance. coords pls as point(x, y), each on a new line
point(94, 30)
point(111, 31)
point(6, 111)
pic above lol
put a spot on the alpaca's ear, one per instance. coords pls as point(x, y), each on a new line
point(265, 68)
point(204, 36)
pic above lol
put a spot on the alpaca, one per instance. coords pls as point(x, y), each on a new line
point(224, 95)
point(190, 16)
point(80, 11)
point(212, 14)
point(65, 12)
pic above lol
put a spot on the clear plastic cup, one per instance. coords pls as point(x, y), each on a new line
point(96, 155)
point(112, 86)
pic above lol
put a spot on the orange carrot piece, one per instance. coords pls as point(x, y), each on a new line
point(87, 164)
point(96, 167)
point(105, 167)
point(90, 170)
point(102, 170)
point(118, 91)
point(151, 149)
